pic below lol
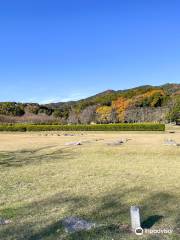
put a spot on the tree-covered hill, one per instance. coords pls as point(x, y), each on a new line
point(140, 104)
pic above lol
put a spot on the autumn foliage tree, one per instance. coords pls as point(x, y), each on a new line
point(104, 114)
point(151, 98)
point(121, 105)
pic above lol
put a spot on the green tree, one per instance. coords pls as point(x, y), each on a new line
point(11, 109)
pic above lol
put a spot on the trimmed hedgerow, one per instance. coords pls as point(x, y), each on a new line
point(97, 127)
point(13, 128)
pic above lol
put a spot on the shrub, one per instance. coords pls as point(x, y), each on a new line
point(97, 127)
point(13, 128)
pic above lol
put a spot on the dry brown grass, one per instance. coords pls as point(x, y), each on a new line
point(42, 181)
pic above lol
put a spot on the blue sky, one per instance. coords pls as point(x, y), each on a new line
point(59, 50)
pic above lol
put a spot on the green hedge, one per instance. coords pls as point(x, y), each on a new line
point(96, 127)
point(13, 128)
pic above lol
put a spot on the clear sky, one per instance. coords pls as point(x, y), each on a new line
point(58, 50)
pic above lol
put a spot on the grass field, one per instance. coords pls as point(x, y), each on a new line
point(43, 181)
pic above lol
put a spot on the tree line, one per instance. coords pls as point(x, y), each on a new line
point(143, 104)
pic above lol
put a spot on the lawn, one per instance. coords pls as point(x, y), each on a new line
point(43, 180)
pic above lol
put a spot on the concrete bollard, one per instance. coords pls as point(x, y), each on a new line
point(135, 218)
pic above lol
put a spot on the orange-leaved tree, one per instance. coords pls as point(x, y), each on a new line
point(121, 105)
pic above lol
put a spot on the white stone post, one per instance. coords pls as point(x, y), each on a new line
point(135, 218)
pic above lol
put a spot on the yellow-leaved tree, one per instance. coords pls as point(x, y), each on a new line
point(104, 114)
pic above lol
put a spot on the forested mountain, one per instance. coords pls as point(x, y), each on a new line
point(140, 104)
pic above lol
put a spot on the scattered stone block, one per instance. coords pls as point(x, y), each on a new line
point(170, 142)
point(5, 221)
point(73, 143)
point(68, 135)
point(75, 224)
point(99, 139)
point(117, 142)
